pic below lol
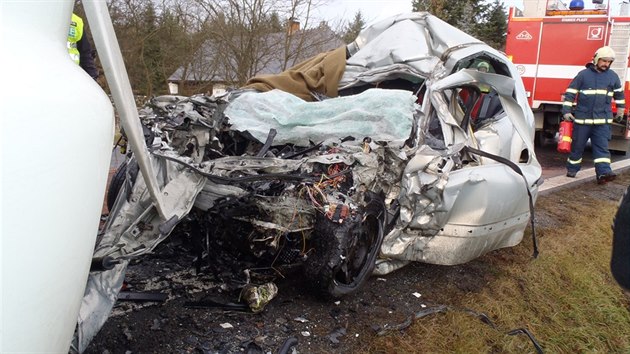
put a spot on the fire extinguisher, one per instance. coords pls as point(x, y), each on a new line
point(564, 139)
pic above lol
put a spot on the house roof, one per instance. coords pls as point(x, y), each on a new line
point(207, 64)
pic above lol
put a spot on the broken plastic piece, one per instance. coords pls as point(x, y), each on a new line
point(257, 297)
point(335, 334)
point(337, 212)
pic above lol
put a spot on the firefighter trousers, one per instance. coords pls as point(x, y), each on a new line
point(599, 134)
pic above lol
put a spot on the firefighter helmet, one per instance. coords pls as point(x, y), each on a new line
point(604, 53)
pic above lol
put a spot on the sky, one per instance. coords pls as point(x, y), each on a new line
point(374, 10)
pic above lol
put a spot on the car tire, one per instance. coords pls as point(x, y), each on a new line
point(344, 254)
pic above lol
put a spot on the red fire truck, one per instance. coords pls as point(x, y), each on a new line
point(550, 43)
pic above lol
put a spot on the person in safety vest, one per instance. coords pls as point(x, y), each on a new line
point(484, 67)
point(593, 88)
point(79, 47)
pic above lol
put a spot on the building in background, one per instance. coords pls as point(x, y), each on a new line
point(213, 71)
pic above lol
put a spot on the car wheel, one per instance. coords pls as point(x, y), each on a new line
point(344, 254)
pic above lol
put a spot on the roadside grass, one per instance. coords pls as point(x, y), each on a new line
point(566, 298)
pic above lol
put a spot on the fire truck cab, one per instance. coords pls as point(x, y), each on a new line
point(550, 43)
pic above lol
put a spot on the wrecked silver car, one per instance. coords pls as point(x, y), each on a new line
point(391, 150)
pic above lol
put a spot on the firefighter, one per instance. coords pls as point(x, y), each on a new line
point(484, 67)
point(593, 88)
point(79, 47)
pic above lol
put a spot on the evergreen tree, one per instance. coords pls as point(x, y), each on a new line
point(495, 27)
point(274, 23)
point(353, 28)
point(176, 44)
point(151, 52)
point(487, 22)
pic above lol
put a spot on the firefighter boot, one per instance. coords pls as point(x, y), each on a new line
point(605, 178)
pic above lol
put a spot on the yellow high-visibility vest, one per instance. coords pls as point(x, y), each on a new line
point(74, 35)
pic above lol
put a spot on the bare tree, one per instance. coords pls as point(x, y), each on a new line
point(246, 40)
point(311, 40)
point(205, 41)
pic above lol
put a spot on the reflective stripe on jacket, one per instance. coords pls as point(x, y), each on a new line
point(75, 33)
point(593, 92)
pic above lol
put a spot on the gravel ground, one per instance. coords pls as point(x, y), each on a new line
point(173, 326)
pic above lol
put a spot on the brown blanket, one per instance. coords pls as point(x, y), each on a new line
point(320, 73)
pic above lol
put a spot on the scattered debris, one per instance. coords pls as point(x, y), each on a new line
point(226, 325)
point(127, 333)
point(416, 294)
point(442, 309)
point(388, 328)
point(253, 348)
point(259, 296)
point(142, 296)
point(335, 334)
point(156, 325)
point(228, 306)
point(287, 345)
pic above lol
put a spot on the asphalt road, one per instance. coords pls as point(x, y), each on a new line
point(553, 162)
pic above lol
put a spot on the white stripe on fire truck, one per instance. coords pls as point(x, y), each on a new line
point(553, 71)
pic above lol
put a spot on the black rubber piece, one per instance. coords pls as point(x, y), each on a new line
point(115, 184)
point(288, 344)
point(620, 260)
